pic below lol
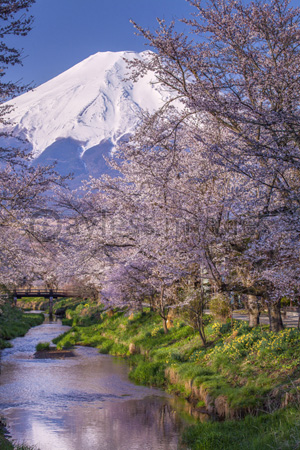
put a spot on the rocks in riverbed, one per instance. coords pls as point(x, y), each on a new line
point(53, 353)
point(133, 349)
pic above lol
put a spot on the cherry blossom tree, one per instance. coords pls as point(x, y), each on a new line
point(23, 189)
point(239, 77)
point(209, 184)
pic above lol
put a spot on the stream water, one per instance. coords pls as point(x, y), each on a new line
point(82, 403)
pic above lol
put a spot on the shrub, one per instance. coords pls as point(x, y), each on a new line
point(225, 328)
point(219, 307)
point(67, 322)
point(67, 345)
point(151, 373)
point(105, 347)
point(4, 344)
point(42, 346)
point(175, 356)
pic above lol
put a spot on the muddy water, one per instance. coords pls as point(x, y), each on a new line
point(82, 403)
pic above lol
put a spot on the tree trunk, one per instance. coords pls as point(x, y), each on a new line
point(151, 303)
point(274, 310)
point(253, 309)
point(165, 325)
point(201, 331)
point(231, 315)
point(163, 309)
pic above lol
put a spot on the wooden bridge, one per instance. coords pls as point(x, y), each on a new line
point(46, 293)
point(51, 294)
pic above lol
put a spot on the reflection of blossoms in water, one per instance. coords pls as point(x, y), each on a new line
point(86, 402)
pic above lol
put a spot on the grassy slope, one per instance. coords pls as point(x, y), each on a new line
point(14, 323)
point(280, 430)
point(245, 370)
point(252, 368)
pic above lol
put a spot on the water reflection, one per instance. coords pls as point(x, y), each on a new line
point(135, 424)
point(80, 403)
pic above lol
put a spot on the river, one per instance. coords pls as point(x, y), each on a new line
point(82, 403)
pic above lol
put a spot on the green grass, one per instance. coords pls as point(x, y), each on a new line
point(146, 372)
point(81, 312)
point(280, 430)
point(14, 323)
point(251, 369)
point(41, 346)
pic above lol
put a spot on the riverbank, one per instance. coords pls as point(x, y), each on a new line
point(277, 431)
point(241, 372)
point(83, 402)
point(14, 323)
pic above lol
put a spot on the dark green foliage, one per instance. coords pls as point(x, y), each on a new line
point(176, 356)
point(67, 345)
point(67, 322)
point(41, 346)
point(207, 319)
point(14, 323)
point(4, 344)
point(225, 328)
point(150, 373)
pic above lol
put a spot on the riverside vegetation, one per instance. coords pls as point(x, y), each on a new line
point(5, 444)
point(250, 377)
point(14, 323)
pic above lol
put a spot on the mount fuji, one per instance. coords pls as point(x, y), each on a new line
point(78, 117)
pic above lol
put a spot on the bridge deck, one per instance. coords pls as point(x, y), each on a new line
point(43, 293)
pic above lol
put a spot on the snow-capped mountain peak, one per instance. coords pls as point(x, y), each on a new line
point(90, 105)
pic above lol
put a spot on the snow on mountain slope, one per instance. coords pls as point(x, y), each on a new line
point(83, 108)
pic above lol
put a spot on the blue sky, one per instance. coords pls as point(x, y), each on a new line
point(67, 31)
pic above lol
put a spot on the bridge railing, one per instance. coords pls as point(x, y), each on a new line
point(19, 293)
